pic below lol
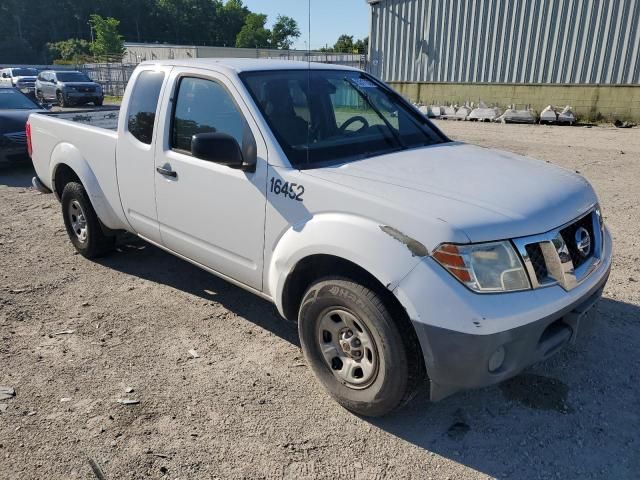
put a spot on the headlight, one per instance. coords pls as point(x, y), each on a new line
point(484, 267)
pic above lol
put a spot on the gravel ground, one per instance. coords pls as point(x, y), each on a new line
point(77, 336)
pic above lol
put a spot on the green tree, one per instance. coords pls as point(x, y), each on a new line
point(72, 50)
point(361, 46)
point(344, 44)
point(233, 16)
point(284, 31)
point(108, 43)
point(254, 34)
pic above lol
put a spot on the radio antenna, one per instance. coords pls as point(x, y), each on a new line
point(309, 80)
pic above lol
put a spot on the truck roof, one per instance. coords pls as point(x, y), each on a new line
point(247, 64)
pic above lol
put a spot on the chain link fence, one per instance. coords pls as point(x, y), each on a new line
point(114, 76)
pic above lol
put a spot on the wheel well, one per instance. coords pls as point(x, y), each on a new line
point(314, 267)
point(64, 174)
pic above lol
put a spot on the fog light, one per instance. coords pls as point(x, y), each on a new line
point(496, 359)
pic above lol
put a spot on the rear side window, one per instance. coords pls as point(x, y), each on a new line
point(143, 105)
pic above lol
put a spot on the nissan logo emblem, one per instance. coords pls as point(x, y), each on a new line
point(583, 241)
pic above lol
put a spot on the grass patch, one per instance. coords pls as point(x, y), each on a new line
point(110, 100)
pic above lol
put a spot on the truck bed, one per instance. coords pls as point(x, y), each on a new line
point(86, 142)
point(106, 118)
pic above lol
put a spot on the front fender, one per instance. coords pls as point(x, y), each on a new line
point(381, 250)
point(67, 154)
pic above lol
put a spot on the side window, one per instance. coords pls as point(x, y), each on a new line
point(204, 106)
point(143, 105)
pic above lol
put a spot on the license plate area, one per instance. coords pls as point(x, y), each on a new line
point(581, 318)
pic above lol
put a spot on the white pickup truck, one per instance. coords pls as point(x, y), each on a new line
point(404, 256)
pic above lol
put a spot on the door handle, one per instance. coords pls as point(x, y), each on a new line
point(166, 172)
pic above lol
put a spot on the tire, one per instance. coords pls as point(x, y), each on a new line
point(82, 223)
point(39, 97)
point(61, 100)
point(390, 361)
point(98, 102)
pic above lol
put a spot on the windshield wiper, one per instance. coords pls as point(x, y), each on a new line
point(365, 97)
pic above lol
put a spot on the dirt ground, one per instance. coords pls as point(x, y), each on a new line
point(77, 336)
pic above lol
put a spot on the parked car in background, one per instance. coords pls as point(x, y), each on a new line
point(15, 108)
point(67, 88)
point(22, 78)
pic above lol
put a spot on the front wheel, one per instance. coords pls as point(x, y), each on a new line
point(98, 102)
point(367, 360)
point(82, 223)
point(61, 100)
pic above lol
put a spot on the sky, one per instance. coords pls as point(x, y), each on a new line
point(329, 18)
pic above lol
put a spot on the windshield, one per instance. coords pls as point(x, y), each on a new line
point(11, 99)
point(72, 77)
point(321, 116)
point(24, 72)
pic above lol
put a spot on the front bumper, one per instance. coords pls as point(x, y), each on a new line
point(82, 96)
point(459, 330)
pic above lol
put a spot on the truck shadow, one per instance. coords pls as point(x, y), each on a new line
point(565, 418)
point(143, 260)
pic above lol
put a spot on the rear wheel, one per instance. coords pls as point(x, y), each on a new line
point(82, 223)
point(61, 100)
point(367, 360)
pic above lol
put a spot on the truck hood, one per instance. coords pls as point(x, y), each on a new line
point(483, 193)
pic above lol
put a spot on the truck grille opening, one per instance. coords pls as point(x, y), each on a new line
point(569, 234)
point(537, 260)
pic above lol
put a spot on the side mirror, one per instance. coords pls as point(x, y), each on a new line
point(223, 149)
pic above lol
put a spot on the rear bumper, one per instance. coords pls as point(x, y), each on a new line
point(38, 185)
point(462, 333)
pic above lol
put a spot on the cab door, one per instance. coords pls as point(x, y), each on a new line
point(208, 212)
point(135, 151)
point(47, 86)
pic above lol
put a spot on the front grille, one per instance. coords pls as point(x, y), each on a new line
point(537, 260)
point(553, 258)
point(569, 236)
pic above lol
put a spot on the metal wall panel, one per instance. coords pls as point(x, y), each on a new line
point(506, 41)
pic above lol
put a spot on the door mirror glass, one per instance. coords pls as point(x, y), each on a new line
point(218, 148)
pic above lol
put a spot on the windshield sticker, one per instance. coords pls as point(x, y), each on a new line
point(363, 83)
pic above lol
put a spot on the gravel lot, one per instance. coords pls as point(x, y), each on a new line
point(76, 335)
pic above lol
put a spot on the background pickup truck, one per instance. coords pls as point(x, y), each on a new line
point(402, 255)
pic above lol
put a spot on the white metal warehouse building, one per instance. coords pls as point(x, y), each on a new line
point(506, 41)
